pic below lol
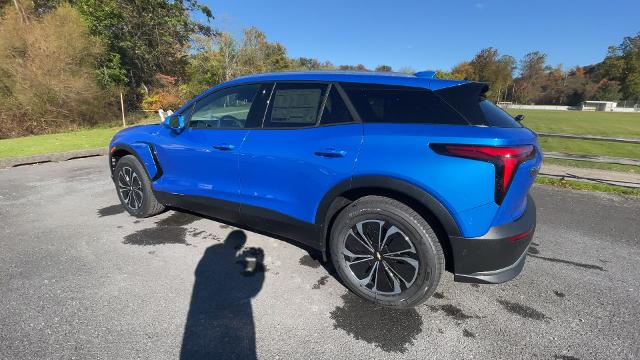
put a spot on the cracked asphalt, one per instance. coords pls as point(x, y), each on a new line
point(80, 279)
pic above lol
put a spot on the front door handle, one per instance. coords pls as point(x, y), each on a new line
point(331, 153)
point(224, 147)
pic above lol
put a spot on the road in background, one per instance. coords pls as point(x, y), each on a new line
point(79, 278)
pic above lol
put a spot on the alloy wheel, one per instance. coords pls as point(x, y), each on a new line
point(380, 257)
point(130, 188)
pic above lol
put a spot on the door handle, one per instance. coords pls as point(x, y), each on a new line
point(331, 153)
point(224, 147)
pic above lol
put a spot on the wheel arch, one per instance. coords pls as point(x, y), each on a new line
point(143, 151)
point(425, 204)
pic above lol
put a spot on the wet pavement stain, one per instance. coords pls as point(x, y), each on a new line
point(565, 357)
point(573, 263)
point(201, 234)
point(373, 324)
point(320, 282)
point(559, 293)
point(467, 333)
point(157, 236)
point(169, 230)
point(178, 219)
point(452, 311)
point(307, 260)
point(524, 311)
point(110, 210)
point(438, 295)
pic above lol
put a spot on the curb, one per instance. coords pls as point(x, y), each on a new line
point(54, 157)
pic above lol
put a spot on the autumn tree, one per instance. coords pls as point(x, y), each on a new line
point(622, 64)
point(384, 68)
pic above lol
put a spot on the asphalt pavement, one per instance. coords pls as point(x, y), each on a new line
point(81, 279)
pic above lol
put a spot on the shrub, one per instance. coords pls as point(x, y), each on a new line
point(48, 74)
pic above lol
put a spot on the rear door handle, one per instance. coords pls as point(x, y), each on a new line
point(224, 147)
point(331, 153)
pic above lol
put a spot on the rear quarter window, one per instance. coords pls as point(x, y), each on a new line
point(398, 104)
point(468, 100)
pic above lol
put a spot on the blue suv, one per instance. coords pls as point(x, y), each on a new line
point(393, 177)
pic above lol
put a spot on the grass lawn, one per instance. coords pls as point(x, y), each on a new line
point(43, 144)
point(582, 122)
point(586, 123)
point(579, 185)
point(590, 147)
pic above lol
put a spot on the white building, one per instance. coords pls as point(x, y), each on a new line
point(598, 105)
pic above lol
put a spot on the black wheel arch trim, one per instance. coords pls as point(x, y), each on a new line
point(327, 208)
point(133, 152)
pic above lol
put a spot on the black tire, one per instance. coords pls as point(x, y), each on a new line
point(134, 188)
point(410, 263)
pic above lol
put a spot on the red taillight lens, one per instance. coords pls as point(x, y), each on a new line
point(506, 160)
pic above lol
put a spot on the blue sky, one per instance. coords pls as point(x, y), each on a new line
point(434, 35)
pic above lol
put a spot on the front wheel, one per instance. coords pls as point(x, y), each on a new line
point(386, 253)
point(134, 188)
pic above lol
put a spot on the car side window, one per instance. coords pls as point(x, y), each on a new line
point(227, 108)
point(295, 105)
point(335, 110)
point(400, 104)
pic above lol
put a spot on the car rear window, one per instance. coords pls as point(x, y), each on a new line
point(398, 104)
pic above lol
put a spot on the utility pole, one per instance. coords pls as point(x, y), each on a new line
point(124, 123)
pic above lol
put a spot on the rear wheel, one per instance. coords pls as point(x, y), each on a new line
point(134, 188)
point(385, 252)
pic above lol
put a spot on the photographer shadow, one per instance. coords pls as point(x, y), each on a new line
point(220, 320)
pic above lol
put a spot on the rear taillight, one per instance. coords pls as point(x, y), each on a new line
point(505, 159)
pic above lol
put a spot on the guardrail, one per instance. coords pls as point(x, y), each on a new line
point(592, 158)
point(591, 137)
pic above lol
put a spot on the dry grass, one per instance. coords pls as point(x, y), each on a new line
point(47, 74)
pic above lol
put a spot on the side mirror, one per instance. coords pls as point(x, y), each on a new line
point(519, 118)
point(175, 122)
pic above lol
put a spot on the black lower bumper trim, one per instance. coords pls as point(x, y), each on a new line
point(495, 276)
point(499, 255)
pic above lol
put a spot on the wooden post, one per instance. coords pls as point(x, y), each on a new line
point(124, 124)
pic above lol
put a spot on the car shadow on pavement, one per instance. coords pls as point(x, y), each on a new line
point(220, 320)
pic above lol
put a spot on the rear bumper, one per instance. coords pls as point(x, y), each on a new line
point(499, 255)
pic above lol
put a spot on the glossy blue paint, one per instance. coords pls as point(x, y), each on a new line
point(289, 171)
point(139, 139)
point(200, 162)
point(402, 151)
